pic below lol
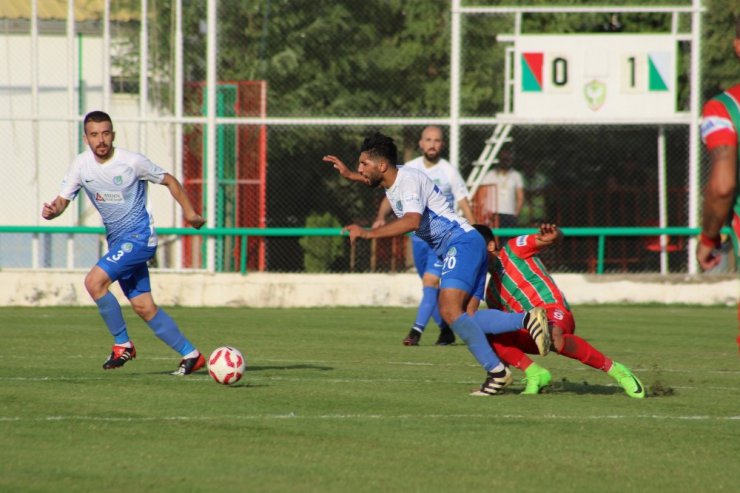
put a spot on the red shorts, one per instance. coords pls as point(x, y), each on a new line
point(562, 317)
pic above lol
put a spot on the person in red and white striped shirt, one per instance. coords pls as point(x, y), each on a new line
point(519, 281)
point(719, 129)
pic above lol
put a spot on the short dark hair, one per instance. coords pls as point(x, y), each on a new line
point(97, 116)
point(485, 232)
point(381, 146)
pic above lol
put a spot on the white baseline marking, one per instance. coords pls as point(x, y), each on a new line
point(339, 417)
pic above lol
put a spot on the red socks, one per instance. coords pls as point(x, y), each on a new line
point(511, 346)
point(576, 348)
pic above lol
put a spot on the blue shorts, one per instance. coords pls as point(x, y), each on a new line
point(466, 264)
point(126, 262)
point(425, 260)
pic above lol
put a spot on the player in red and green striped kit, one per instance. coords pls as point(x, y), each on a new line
point(720, 125)
point(519, 281)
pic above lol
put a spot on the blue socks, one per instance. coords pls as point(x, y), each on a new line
point(427, 307)
point(497, 322)
point(162, 324)
point(166, 329)
point(110, 310)
point(470, 332)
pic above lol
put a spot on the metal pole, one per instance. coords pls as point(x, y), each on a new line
point(35, 247)
point(106, 56)
point(143, 75)
point(695, 78)
point(455, 85)
point(662, 200)
point(72, 110)
point(211, 133)
point(179, 170)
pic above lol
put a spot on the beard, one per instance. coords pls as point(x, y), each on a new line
point(432, 156)
point(373, 182)
point(102, 151)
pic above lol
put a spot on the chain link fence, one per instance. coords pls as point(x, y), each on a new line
point(307, 63)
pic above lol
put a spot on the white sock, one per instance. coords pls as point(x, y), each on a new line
point(192, 354)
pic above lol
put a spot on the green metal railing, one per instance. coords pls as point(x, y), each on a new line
point(244, 233)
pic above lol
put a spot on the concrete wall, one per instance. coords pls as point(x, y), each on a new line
point(64, 288)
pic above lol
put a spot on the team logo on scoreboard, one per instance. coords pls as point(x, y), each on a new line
point(595, 94)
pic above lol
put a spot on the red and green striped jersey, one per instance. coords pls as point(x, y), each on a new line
point(720, 125)
point(519, 281)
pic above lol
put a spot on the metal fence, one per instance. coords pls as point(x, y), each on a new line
point(276, 86)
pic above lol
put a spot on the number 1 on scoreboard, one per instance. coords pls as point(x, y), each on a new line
point(632, 73)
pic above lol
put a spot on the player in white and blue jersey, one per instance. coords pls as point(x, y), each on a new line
point(421, 207)
point(448, 180)
point(115, 180)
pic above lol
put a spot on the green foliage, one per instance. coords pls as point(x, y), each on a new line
point(384, 58)
point(320, 252)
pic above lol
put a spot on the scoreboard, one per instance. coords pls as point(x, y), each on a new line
point(599, 78)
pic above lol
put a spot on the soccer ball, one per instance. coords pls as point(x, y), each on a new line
point(226, 365)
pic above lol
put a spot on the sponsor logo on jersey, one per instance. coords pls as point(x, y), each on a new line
point(413, 199)
point(521, 240)
point(118, 180)
point(712, 124)
point(109, 197)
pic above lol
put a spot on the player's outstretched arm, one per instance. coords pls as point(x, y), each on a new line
point(409, 222)
point(178, 193)
point(54, 208)
point(548, 235)
point(344, 171)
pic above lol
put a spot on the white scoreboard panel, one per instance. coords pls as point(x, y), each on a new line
point(595, 77)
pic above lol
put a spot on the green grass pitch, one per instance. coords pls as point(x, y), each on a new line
point(332, 402)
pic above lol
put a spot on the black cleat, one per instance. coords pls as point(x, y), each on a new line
point(119, 356)
point(446, 337)
point(413, 338)
point(495, 383)
point(190, 365)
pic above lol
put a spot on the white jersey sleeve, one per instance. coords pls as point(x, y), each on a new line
point(415, 192)
point(72, 182)
point(445, 176)
point(147, 170)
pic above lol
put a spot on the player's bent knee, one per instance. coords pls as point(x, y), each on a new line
point(97, 283)
point(556, 336)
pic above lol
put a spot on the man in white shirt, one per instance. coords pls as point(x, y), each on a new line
point(420, 206)
point(451, 184)
point(505, 196)
point(116, 182)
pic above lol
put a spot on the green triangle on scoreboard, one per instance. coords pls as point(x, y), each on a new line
point(656, 82)
point(529, 81)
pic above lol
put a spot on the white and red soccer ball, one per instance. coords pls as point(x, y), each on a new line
point(226, 365)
